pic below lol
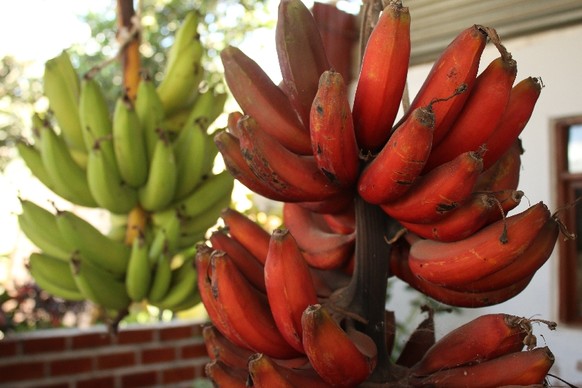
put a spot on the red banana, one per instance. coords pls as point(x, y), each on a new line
point(246, 263)
point(225, 376)
point(432, 196)
point(483, 338)
point(516, 369)
point(284, 171)
point(455, 69)
point(229, 147)
point(290, 287)
point(264, 372)
point(215, 314)
point(261, 98)
point(400, 268)
point(301, 55)
point(391, 173)
point(504, 173)
point(248, 233)
point(341, 358)
point(483, 253)
point(332, 131)
point(339, 32)
point(382, 77)
point(321, 248)
point(220, 348)
point(481, 113)
point(525, 265)
point(522, 100)
point(469, 217)
point(246, 310)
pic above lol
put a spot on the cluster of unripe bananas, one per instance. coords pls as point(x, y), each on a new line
point(447, 172)
point(148, 163)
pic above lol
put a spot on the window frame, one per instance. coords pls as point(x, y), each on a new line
point(567, 183)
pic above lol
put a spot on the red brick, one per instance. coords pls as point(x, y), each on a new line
point(176, 375)
point(53, 385)
point(115, 360)
point(71, 366)
point(199, 371)
point(96, 382)
point(174, 333)
point(142, 379)
point(43, 345)
point(193, 351)
point(8, 348)
point(149, 356)
point(91, 340)
point(22, 371)
point(135, 336)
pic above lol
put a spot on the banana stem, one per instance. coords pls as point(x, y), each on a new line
point(129, 39)
point(365, 296)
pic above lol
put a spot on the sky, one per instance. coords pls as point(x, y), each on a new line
point(39, 29)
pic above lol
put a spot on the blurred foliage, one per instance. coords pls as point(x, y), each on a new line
point(30, 308)
point(224, 21)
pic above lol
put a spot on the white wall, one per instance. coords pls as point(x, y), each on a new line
point(556, 57)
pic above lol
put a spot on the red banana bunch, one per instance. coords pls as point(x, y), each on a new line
point(487, 352)
point(269, 314)
point(445, 173)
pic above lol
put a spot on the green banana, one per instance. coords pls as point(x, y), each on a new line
point(105, 182)
point(150, 112)
point(190, 150)
point(165, 238)
point(33, 160)
point(211, 152)
point(162, 277)
point(61, 87)
point(94, 246)
point(129, 144)
point(54, 276)
point(209, 191)
point(68, 178)
point(183, 72)
point(193, 230)
point(183, 286)
point(40, 227)
point(139, 271)
point(98, 285)
point(158, 191)
point(207, 107)
point(93, 112)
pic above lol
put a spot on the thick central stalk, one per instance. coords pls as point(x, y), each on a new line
point(365, 296)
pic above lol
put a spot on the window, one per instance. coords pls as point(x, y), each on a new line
point(569, 175)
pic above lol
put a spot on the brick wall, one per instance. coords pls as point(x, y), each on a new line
point(166, 354)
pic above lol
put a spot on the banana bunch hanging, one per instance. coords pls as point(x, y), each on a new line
point(150, 158)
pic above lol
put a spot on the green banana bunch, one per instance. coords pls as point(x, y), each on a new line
point(54, 276)
point(153, 154)
point(61, 87)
